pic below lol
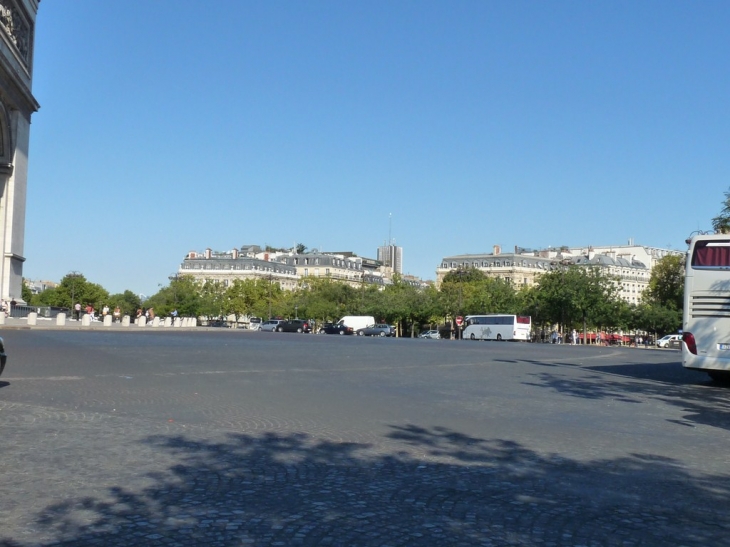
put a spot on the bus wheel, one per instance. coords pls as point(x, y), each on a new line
point(499, 338)
point(472, 336)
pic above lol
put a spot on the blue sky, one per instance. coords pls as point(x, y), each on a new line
point(177, 125)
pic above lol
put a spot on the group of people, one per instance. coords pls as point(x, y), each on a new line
point(91, 312)
point(556, 337)
point(147, 313)
point(6, 307)
point(79, 311)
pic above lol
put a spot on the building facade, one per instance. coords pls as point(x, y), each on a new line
point(519, 268)
point(283, 267)
point(523, 267)
point(209, 266)
point(17, 104)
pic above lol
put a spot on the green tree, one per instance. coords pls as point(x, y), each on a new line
point(721, 223)
point(575, 296)
point(242, 297)
point(212, 299)
point(182, 294)
point(666, 283)
point(464, 275)
point(74, 288)
point(127, 301)
point(25, 292)
point(657, 319)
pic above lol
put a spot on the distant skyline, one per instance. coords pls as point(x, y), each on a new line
point(172, 126)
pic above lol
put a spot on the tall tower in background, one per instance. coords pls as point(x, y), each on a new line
point(392, 257)
point(17, 33)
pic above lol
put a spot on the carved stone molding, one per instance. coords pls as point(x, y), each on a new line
point(17, 28)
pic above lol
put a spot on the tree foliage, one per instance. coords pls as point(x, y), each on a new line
point(666, 283)
point(721, 223)
point(574, 295)
point(73, 288)
point(569, 297)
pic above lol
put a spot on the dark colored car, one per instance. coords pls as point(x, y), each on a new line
point(3, 356)
point(376, 330)
point(294, 325)
point(332, 328)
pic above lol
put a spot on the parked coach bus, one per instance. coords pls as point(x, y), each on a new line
point(706, 316)
point(497, 327)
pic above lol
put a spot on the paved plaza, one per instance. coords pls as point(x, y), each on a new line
point(233, 438)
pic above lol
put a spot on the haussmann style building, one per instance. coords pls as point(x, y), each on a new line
point(630, 264)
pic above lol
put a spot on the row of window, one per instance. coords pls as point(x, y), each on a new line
point(336, 262)
point(540, 265)
point(495, 264)
point(209, 266)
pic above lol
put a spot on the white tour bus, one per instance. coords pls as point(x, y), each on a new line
point(706, 316)
point(497, 327)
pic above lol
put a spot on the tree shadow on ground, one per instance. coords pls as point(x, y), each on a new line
point(425, 486)
point(701, 400)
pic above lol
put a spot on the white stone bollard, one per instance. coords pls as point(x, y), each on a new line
point(141, 321)
point(86, 320)
point(2, 317)
point(167, 322)
point(107, 320)
point(177, 322)
point(32, 318)
point(61, 320)
point(125, 321)
point(155, 321)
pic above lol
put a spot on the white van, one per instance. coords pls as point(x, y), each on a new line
point(254, 323)
point(356, 322)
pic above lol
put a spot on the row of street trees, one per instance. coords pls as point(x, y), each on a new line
point(567, 298)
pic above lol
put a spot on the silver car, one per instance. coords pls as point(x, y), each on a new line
point(270, 325)
point(668, 339)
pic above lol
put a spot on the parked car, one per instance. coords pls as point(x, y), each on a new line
point(376, 330)
point(430, 334)
point(254, 323)
point(667, 340)
point(332, 328)
point(270, 325)
point(294, 325)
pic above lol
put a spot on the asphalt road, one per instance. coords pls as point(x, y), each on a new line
point(246, 438)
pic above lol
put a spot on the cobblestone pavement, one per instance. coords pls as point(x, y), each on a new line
point(222, 439)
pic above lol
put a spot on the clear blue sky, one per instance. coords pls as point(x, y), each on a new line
point(176, 125)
